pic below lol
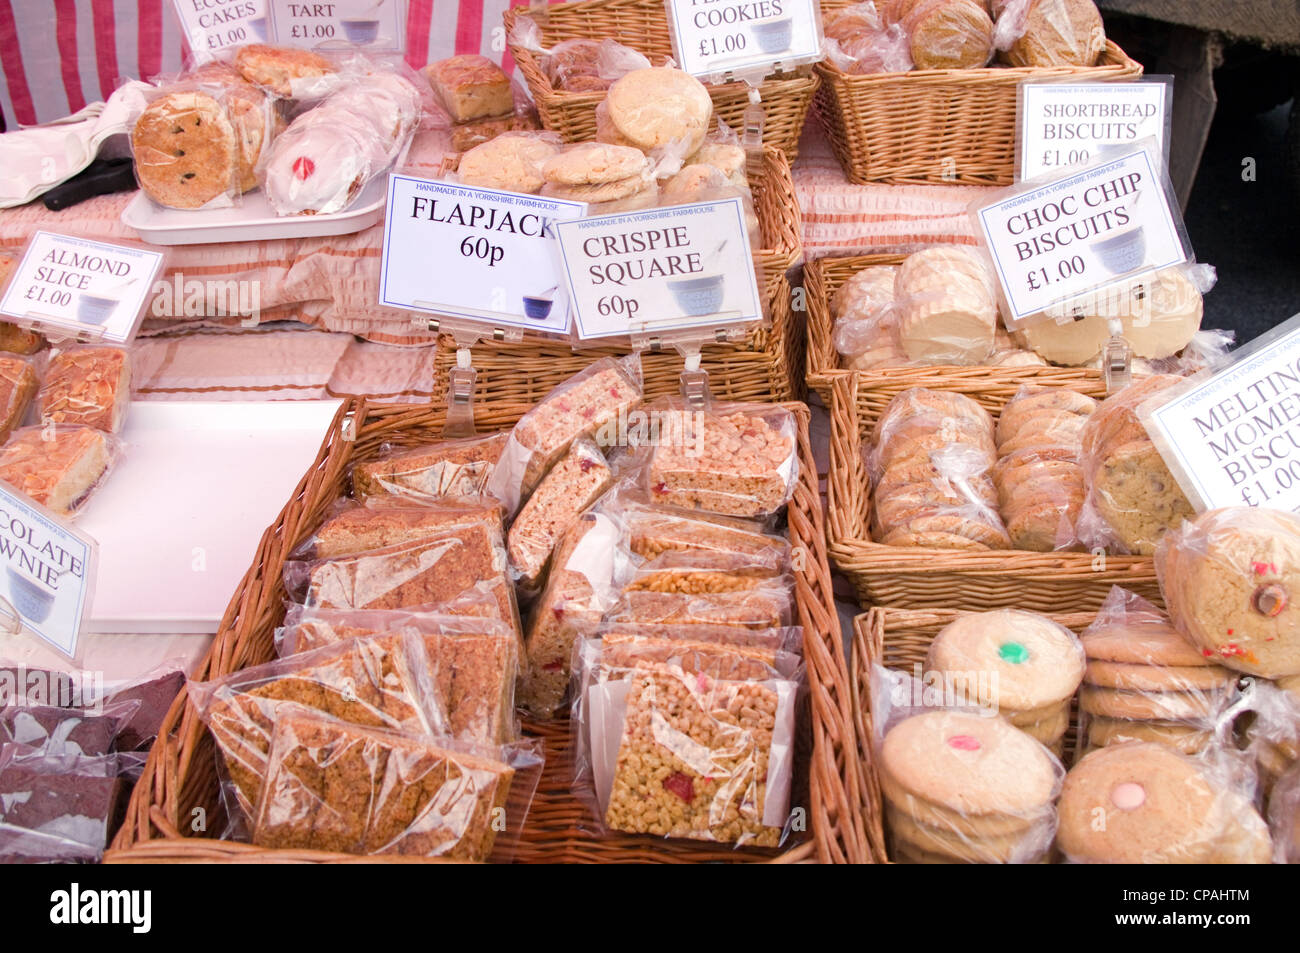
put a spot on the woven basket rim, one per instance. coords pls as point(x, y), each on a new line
point(1112, 59)
point(154, 823)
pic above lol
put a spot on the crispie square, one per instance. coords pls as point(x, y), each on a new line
point(339, 787)
point(447, 468)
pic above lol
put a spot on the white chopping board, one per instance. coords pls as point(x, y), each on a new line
point(179, 518)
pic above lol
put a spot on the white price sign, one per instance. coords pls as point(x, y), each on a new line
point(1232, 437)
point(662, 269)
point(80, 287)
point(1064, 124)
point(474, 254)
point(49, 570)
point(714, 37)
point(212, 25)
point(1085, 231)
point(375, 24)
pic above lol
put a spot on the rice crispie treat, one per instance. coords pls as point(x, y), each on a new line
point(448, 468)
point(569, 608)
point(693, 758)
point(356, 529)
point(767, 608)
point(737, 462)
point(382, 682)
point(570, 487)
point(580, 406)
point(426, 572)
point(339, 787)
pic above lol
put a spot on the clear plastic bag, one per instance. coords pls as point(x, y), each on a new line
point(1133, 499)
point(787, 640)
point(1040, 482)
point(1052, 33)
point(931, 459)
point(579, 588)
point(511, 161)
point(1145, 682)
point(341, 787)
point(679, 754)
point(62, 731)
point(352, 527)
point(423, 573)
point(574, 483)
point(653, 108)
point(1272, 730)
point(285, 72)
point(588, 404)
point(947, 306)
point(858, 41)
point(381, 681)
point(651, 532)
point(86, 386)
point(68, 799)
point(960, 784)
point(18, 386)
point(1284, 818)
point(734, 459)
point(1228, 578)
point(448, 468)
point(58, 467)
point(947, 34)
point(474, 661)
point(764, 608)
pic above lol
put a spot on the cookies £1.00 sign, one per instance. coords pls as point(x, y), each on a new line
point(714, 37)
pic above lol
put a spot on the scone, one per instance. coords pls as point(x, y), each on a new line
point(57, 467)
point(471, 87)
point(88, 386)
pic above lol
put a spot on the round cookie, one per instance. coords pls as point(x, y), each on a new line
point(1045, 430)
point(1024, 847)
point(1027, 405)
point(590, 163)
point(920, 400)
point(1164, 312)
point(1058, 33)
point(509, 162)
point(1137, 496)
point(1231, 580)
point(1153, 678)
point(1032, 716)
point(1142, 802)
point(1073, 343)
point(1037, 662)
point(1050, 730)
point(1043, 527)
point(949, 34)
point(653, 107)
point(970, 764)
point(186, 150)
point(1180, 736)
point(957, 523)
point(933, 815)
point(1143, 644)
point(866, 292)
point(947, 332)
point(1148, 706)
point(694, 180)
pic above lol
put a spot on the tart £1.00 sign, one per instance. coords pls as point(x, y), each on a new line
point(680, 268)
point(1054, 240)
point(477, 257)
point(375, 25)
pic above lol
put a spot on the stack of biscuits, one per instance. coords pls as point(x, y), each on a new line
point(947, 312)
point(962, 788)
point(866, 323)
point(649, 109)
point(944, 34)
point(1029, 664)
point(1038, 476)
point(617, 178)
point(1145, 682)
point(932, 456)
point(1130, 488)
point(512, 162)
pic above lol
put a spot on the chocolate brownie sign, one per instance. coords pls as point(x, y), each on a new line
point(474, 257)
point(48, 571)
point(1231, 436)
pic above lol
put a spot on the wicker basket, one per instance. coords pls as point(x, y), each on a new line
point(643, 25)
point(181, 776)
point(946, 126)
point(767, 366)
point(899, 639)
point(823, 277)
point(946, 579)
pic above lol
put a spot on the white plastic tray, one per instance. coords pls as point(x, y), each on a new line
point(252, 220)
point(179, 518)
